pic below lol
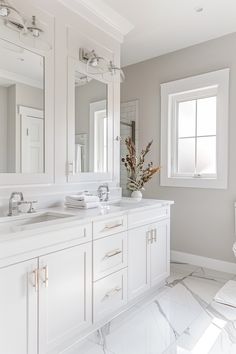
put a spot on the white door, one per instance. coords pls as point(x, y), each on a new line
point(32, 141)
point(138, 261)
point(160, 257)
point(18, 308)
point(65, 297)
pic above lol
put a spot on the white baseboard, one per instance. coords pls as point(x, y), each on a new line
point(205, 262)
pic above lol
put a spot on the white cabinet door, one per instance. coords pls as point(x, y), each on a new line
point(65, 297)
point(159, 252)
point(18, 308)
point(138, 261)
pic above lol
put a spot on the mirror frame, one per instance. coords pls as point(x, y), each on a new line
point(7, 179)
point(72, 177)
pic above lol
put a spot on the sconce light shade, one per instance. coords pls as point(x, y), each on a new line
point(6, 9)
point(34, 29)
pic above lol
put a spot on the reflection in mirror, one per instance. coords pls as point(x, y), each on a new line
point(21, 110)
point(91, 124)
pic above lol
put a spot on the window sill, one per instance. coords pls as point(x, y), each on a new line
point(191, 182)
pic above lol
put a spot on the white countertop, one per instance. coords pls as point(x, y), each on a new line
point(125, 205)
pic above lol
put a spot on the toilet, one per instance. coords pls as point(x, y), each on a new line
point(227, 294)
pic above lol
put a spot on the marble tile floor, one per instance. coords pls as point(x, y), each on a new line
point(182, 318)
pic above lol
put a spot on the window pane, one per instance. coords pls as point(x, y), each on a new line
point(186, 118)
point(206, 116)
point(186, 155)
point(206, 155)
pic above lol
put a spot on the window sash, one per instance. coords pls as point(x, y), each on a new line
point(176, 100)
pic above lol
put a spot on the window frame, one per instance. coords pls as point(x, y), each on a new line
point(207, 85)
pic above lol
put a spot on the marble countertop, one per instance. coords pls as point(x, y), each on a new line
point(78, 216)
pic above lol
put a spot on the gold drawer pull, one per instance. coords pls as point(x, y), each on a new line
point(112, 253)
point(45, 280)
point(109, 227)
point(154, 235)
point(113, 292)
point(35, 279)
point(149, 236)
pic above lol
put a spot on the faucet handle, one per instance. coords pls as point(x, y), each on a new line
point(31, 208)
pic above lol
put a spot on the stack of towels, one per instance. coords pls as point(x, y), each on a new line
point(82, 201)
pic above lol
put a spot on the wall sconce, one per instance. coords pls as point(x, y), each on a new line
point(34, 29)
point(98, 65)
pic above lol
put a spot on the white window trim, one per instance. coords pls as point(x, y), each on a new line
point(218, 81)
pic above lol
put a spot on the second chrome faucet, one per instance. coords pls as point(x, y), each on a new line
point(17, 199)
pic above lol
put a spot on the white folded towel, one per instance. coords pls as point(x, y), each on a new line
point(85, 206)
point(227, 294)
point(81, 197)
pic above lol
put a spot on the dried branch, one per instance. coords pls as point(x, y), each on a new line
point(138, 174)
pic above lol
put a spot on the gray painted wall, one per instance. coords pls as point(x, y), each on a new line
point(202, 219)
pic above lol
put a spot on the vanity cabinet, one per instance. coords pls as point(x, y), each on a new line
point(80, 276)
point(65, 296)
point(49, 297)
point(159, 257)
point(18, 308)
point(138, 263)
point(148, 261)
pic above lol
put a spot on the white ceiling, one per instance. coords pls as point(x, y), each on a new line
point(20, 65)
point(162, 26)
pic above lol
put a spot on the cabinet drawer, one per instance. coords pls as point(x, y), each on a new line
point(48, 241)
point(109, 294)
point(109, 226)
point(144, 217)
point(109, 255)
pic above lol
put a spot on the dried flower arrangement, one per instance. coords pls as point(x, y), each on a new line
point(138, 174)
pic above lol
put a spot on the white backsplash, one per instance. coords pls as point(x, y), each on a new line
point(50, 199)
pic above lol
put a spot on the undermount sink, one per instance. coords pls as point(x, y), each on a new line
point(28, 222)
point(48, 216)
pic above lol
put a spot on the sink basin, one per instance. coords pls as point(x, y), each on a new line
point(28, 222)
point(48, 216)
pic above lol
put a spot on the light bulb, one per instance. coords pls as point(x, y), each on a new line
point(4, 11)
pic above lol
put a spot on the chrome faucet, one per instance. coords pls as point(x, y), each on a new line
point(103, 192)
point(16, 199)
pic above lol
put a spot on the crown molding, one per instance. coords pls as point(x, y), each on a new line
point(101, 16)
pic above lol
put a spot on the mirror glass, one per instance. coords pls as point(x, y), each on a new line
point(91, 125)
point(22, 132)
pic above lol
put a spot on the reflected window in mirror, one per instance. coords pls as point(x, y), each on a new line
point(22, 116)
point(91, 125)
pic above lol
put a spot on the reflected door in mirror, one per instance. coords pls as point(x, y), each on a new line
point(22, 113)
point(91, 125)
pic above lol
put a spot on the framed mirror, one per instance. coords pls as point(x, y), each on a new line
point(24, 124)
point(90, 121)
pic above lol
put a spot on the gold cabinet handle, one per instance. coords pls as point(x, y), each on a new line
point(149, 236)
point(112, 292)
point(112, 253)
point(45, 273)
point(35, 279)
point(154, 235)
point(109, 227)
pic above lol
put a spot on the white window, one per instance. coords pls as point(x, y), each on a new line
point(194, 118)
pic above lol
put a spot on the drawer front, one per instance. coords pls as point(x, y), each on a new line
point(144, 217)
point(109, 255)
point(48, 241)
point(109, 226)
point(109, 294)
